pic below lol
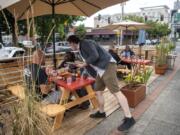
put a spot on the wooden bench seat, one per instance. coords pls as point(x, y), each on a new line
point(52, 110)
point(17, 90)
point(123, 70)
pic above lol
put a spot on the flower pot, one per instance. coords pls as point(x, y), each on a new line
point(160, 69)
point(134, 94)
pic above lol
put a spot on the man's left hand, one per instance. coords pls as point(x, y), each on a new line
point(81, 65)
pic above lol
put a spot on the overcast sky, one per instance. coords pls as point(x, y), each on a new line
point(131, 6)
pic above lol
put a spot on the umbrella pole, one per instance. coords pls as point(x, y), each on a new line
point(53, 34)
point(126, 36)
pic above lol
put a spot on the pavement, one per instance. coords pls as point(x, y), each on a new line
point(158, 114)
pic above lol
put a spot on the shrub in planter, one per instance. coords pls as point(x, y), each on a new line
point(161, 58)
point(135, 90)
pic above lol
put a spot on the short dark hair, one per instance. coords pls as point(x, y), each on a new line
point(70, 55)
point(73, 39)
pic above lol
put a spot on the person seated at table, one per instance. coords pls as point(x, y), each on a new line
point(114, 54)
point(70, 57)
point(127, 53)
point(37, 79)
point(117, 58)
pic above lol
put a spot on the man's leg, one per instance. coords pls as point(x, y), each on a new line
point(123, 102)
point(99, 88)
point(111, 81)
point(100, 99)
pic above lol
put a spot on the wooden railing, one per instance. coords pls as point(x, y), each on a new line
point(11, 72)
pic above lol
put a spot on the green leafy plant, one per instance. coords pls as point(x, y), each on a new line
point(80, 31)
point(171, 46)
point(137, 77)
point(162, 52)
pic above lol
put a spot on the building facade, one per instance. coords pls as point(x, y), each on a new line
point(155, 13)
point(175, 20)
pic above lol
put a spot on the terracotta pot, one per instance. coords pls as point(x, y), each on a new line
point(134, 95)
point(161, 69)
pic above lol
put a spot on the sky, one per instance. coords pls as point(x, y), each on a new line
point(130, 6)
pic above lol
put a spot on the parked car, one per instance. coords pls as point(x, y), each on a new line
point(9, 52)
point(59, 47)
point(148, 42)
point(155, 41)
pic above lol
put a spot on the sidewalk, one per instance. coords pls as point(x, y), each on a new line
point(159, 114)
point(163, 117)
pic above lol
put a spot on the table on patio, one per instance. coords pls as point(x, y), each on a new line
point(69, 89)
point(140, 62)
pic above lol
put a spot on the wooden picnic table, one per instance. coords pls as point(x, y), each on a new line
point(139, 62)
point(69, 89)
point(136, 61)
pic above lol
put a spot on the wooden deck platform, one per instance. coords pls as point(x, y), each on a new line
point(78, 122)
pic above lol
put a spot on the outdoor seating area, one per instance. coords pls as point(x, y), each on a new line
point(14, 86)
point(58, 78)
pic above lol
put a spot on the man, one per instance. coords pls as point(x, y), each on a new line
point(127, 53)
point(37, 79)
point(105, 65)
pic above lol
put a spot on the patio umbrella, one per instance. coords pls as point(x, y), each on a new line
point(141, 40)
point(68, 7)
point(126, 25)
point(7, 3)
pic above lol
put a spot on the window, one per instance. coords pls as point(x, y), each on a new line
point(109, 20)
point(99, 17)
point(162, 18)
point(145, 18)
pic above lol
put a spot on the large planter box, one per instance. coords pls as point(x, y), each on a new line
point(134, 95)
point(160, 69)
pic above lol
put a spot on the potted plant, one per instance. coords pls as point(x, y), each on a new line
point(171, 57)
point(135, 90)
point(161, 58)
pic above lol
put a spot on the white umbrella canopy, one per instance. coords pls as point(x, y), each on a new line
point(34, 8)
point(7, 3)
point(127, 25)
point(68, 7)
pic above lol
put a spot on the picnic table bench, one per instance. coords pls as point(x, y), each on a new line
point(57, 110)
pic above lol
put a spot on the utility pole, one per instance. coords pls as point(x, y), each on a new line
point(122, 18)
point(122, 11)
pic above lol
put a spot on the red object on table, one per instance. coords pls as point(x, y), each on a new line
point(137, 61)
point(79, 83)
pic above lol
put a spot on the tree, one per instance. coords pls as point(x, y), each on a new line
point(61, 31)
point(44, 25)
point(134, 18)
point(158, 29)
point(80, 31)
